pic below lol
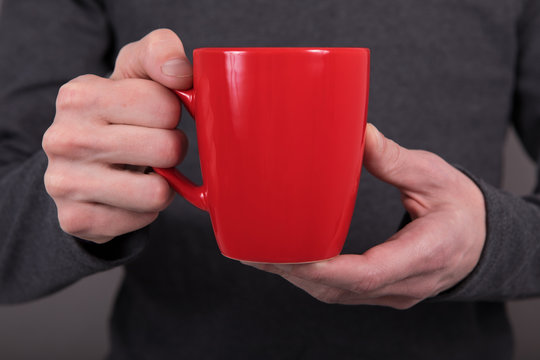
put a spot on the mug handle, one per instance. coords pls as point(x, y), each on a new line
point(195, 194)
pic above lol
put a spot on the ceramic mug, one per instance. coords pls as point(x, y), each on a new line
point(281, 137)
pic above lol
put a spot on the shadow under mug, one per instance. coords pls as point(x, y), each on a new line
point(281, 137)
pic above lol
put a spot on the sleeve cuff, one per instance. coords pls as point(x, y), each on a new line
point(503, 271)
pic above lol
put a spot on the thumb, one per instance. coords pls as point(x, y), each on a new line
point(158, 56)
point(413, 170)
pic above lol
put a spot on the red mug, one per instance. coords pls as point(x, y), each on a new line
point(281, 137)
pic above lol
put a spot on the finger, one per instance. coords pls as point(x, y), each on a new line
point(117, 144)
point(326, 294)
point(141, 146)
point(410, 170)
point(98, 222)
point(130, 101)
point(355, 273)
point(337, 295)
point(132, 191)
point(158, 56)
point(405, 255)
point(322, 292)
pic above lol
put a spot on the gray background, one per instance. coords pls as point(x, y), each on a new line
point(72, 324)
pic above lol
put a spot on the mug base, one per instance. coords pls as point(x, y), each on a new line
point(280, 262)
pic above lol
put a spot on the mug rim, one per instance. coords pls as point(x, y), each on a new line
point(291, 49)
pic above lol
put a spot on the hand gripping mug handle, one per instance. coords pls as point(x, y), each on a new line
point(181, 184)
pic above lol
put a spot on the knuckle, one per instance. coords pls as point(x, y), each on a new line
point(50, 139)
point(159, 35)
point(124, 50)
point(68, 96)
point(159, 195)
point(138, 58)
point(154, 42)
point(161, 44)
point(73, 221)
point(64, 141)
point(123, 57)
point(56, 184)
point(76, 93)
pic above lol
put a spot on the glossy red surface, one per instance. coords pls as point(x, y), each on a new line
point(281, 138)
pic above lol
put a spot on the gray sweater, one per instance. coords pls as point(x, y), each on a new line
point(447, 76)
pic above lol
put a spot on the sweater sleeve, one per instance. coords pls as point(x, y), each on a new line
point(43, 46)
point(509, 267)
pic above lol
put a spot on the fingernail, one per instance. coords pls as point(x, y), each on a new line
point(180, 68)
